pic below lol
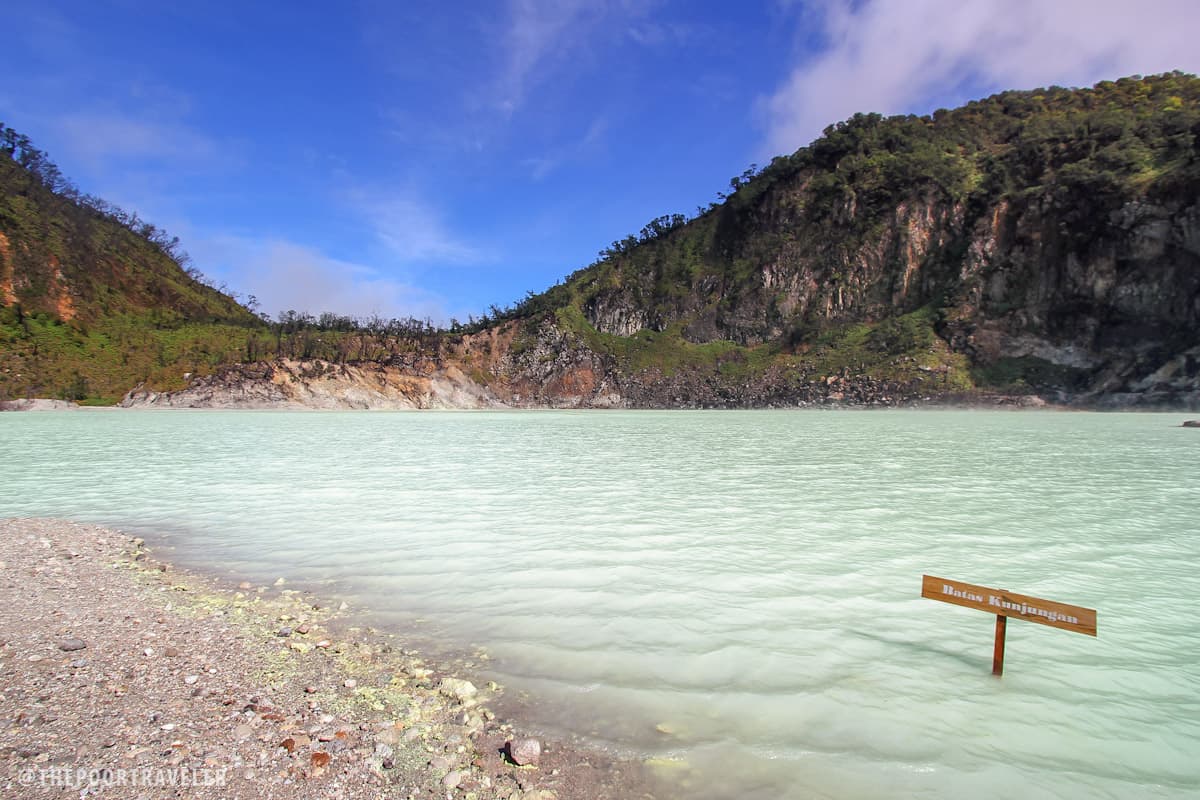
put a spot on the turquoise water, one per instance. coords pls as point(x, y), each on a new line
point(736, 592)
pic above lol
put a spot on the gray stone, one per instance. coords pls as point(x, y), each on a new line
point(452, 780)
point(68, 645)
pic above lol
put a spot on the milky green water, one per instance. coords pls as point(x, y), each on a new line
point(736, 592)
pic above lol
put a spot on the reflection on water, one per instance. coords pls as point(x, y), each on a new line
point(735, 593)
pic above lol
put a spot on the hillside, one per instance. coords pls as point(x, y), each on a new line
point(1032, 244)
point(93, 300)
point(1040, 242)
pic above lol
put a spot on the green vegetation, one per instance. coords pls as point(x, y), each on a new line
point(1027, 373)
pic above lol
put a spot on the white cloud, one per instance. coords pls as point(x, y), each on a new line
point(284, 275)
point(897, 56)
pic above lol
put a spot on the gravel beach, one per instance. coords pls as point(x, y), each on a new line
point(124, 677)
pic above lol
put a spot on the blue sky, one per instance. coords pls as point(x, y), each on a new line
point(433, 158)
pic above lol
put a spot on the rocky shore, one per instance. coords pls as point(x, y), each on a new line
point(122, 676)
point(39, 404)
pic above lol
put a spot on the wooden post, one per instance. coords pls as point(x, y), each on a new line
point(1004, 604)
point(998, 652)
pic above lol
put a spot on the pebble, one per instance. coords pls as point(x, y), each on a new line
point(350, 683)
point(452, 780)
point(302, 629)
point(79, 663)
point(285, 631)
point(67, 645)
point(170, 652)
point(524, 752)
point(191, 679)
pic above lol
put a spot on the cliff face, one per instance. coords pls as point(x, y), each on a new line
point(288, 383)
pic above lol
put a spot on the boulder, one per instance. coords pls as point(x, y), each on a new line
point(523, 752)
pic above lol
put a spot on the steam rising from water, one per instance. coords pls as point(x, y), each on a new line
point(737, 591)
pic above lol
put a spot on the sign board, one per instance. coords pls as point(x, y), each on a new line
point(1005, 604)
point(1010, 604)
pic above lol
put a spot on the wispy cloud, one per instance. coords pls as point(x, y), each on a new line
point(655, 34)
point(541, 38)
point(542, 166)
point(102, 137)
point(538, 31)
point(517, 60)
point(285, 275)
point(413, 230)
point(893, 56)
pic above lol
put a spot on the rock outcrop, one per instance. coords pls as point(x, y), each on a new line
point(37, 404)
point(321, 385)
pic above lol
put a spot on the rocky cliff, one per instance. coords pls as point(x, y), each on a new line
point(1034, 243)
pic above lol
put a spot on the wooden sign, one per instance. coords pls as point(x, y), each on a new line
point(1006, 604)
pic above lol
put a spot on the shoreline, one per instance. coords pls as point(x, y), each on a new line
point(127, 673)
point(978, 402)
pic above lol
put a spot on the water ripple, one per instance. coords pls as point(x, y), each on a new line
point(737, 590)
